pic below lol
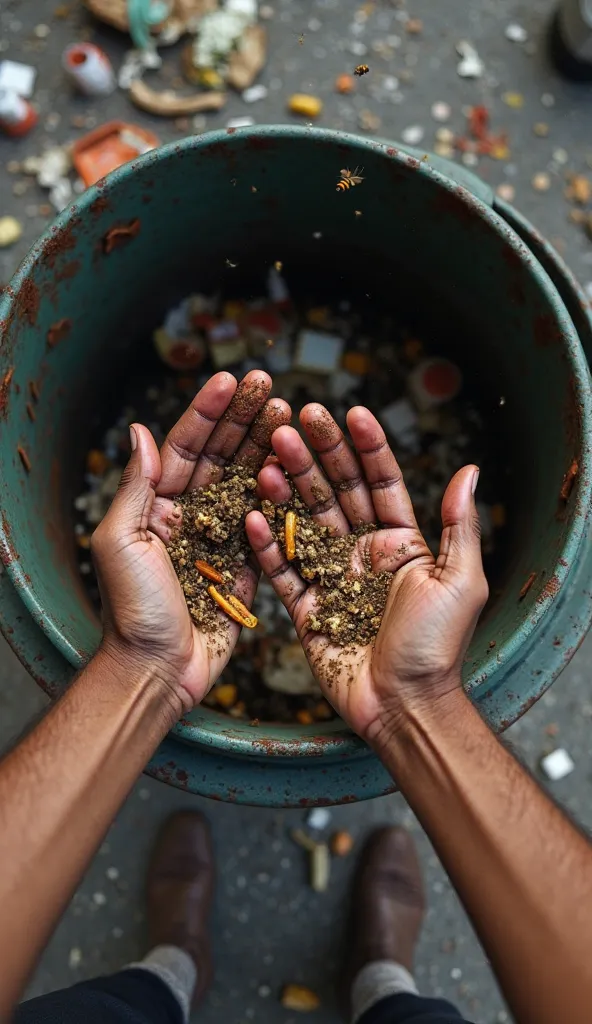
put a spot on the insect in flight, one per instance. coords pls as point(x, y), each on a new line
point(362, 69)
point(349, 179)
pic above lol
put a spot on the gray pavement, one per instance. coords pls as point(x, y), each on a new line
point(269, 928)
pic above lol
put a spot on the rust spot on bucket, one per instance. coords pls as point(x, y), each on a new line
point(99, 205)
point(7, 549)
point(550, 590)
point(119, 235)
point(58, 331)
point(68, 271)
point(5, 391)
point(27, 302)
point(60, 241)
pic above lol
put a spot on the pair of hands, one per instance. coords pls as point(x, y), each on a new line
point(433, 605)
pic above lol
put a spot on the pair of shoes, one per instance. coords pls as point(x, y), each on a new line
point(387, 903)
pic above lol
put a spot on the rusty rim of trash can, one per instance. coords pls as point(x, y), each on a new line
point(335, 741)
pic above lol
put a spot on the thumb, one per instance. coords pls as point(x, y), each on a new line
point(460, 546)
point(135, 496)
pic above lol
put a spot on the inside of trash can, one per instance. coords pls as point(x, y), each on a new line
point(388, 332)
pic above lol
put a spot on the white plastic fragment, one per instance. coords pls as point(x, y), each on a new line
point(413, 134)
point(134, 64)
point(320, 868)
point(516, 33)
point(441, 111)
point(17, 77)
point(471, 65)
point(400, 420)
point(318, 352)
point(74, 958)
point(255, 93)
point(240, 122)
point(557, 765)
point(319, 818)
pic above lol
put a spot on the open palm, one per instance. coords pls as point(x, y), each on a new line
point(432, 605)
point(144, 607)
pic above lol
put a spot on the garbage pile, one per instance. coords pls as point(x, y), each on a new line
point(339, 354)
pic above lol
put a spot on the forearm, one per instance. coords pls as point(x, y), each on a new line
point(523, 872)
point(59, 791)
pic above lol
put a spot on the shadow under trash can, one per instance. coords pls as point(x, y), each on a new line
point(429, 242)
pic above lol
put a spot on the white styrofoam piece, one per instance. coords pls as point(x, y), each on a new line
point(318, 818)
point(17, 77)
point(318, 352)
point(557, 765)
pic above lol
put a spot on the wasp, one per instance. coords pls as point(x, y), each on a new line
point(349, 179)
point(362, 69)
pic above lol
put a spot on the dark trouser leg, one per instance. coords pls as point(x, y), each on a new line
point(405, 1008)
point(133, 996)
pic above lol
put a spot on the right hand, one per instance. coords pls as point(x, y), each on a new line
point(433, 605)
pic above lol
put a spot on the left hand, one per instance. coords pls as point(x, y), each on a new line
point(144, 611)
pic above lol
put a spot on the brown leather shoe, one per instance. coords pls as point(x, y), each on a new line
point(179, 890)
point(387, 904)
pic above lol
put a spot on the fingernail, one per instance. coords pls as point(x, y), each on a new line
point(475, 481)
point(133, 439)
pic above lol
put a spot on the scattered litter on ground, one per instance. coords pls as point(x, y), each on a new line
point(344, 84)
point(299, 998)
point(413, 134)
point(441, 111)
point(17, 77)
point(516, 33)
point(318, 818)
point(10, 231)
point(541, 181)
point(105, 148)
point(304, 105)
point(515, 100)
point(471, 65)
point(74, 958)
point(17, 115)
point(341, 844)
point(89, 68)
point(168, 103)
point(579, 189)
point(557, 765)
point(541, 129)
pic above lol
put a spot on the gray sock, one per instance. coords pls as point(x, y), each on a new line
point(376, 981)
point(176, 968)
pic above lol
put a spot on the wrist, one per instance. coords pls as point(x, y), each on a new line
point(406, 719)
point(136, 672)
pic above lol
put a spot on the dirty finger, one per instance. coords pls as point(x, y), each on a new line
point(184, 442)
point(340, 464)
point(309, 479)
point(385, 480)
point(283, 577)
point(249, 398)
point(256, 446)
